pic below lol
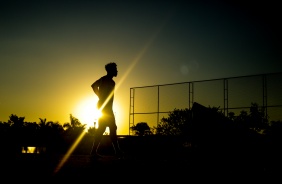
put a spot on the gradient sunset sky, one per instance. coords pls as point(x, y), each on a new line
point(52, 51)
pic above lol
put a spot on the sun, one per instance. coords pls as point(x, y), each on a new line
point(87, 113)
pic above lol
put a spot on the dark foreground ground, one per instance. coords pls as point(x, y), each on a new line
point(153, 164)
point(32, 168)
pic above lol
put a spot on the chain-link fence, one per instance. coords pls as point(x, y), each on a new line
point(151, 103)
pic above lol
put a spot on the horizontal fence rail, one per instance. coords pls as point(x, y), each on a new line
point(151, 103)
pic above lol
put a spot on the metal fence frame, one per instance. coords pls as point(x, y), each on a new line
point(191, 87)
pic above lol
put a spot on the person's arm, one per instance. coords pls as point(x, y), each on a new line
point(95, 87)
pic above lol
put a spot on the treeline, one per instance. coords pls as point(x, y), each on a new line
point(17, 133)
point(199, 126)
point(183, 122)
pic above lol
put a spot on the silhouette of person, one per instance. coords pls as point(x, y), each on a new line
point(104, 88)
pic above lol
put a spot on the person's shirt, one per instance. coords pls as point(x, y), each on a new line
point(104, 89)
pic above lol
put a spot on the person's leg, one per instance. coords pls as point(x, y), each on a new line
point(97, 139)
point(114, 139)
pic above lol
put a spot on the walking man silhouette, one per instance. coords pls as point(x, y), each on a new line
point(104, 88)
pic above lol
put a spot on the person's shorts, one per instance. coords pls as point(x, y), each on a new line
point(107, 120)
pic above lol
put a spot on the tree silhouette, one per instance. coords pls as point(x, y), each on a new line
point(141, 129)
point(91, 130)
point(178, 122)
point(75, 127)
point(50, 133)
point(255, 119)
point(15, 121)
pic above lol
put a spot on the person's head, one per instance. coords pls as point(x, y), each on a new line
point(111, 69)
